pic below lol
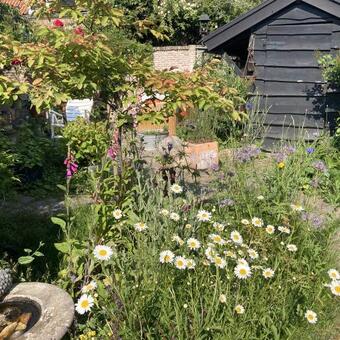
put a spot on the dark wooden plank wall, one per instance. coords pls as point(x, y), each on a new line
point(288, 75)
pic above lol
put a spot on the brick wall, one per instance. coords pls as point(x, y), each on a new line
point(183, 58)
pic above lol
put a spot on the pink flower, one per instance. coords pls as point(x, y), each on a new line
point(79, 31)
point(71, 166)
point(16, 61)
point(58, 23)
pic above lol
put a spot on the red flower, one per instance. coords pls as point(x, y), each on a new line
point(58, 23)
point(79, 31)
point(16, 61)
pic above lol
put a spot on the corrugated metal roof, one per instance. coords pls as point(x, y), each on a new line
point(20, 5)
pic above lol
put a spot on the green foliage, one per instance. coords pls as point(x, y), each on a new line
point(331, 69)
point(88, 141)
point(12, 23)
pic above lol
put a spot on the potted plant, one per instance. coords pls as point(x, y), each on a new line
point(198, 131)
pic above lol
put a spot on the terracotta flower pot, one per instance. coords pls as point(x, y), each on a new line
point(202, 156)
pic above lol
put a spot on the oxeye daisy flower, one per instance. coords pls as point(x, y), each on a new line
point(242, 261)
point(218, 226)
point(220, 262)
point(164, 212)
point(253, 254)
point(242, 271)
point(217, 239)
point(333, 274)
point(230, 253)
point(210, 253)
point(188, 226)
point(180, 262)
point(297, 207)
point(311, 316)
point(236, 237)
point(117, 214)
point(166, 256)
point(177, 189)
point(175, 217)
point(223, 298)
point(239, 309)
point(177, 239)
point(141, 226)
point(292, 247)
point(284, 229)
point(268, 273)
point(270, 229)
point(90, 286)
point(203, 216)
point(84, 304)
point(257, 222)
point(102, 253)
point(335, 287)
point(193, 244)
point(245, 221)
point(191, 264)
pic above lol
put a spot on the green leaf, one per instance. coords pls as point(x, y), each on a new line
point(38, 253)
point(58, 221)
point(23, 260)
point(63, 247)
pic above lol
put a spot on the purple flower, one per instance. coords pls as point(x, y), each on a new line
point(310, 150)
point(279, 157)
point(215, 167)
point(228, 202)
point(319, 166)
point(247, 153)
point(249, 106)
point(314, 219)
point(314, 183)
point(288, 149)
point(71, 166)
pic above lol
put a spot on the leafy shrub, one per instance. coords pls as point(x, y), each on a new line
point(331, 68)
point(88, 141)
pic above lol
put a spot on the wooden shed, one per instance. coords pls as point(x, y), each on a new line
point(279, 43)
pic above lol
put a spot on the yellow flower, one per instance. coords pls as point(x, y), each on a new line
point(281, 165)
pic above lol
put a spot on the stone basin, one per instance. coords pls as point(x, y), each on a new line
point(51, 307)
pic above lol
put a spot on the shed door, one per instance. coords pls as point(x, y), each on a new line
point(293, 80)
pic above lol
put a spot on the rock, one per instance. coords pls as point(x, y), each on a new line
point(8, 331)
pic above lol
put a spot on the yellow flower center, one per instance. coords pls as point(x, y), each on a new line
point(193, 244)
point(84, 304)
point(236, 237)
point(217, 238)
point(167, 258)
point(218, 260)
point(337, 289)
point(243, 271)
point(102, 252)
point(180, 263)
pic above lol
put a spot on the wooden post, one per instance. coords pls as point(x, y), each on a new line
point(172, 126)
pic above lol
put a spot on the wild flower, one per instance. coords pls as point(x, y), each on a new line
point(174, 216)
point(203, 216)
point(89, 287)
point(188, 226)
point(79, 31)
point(333, 274)
point(316, 220)
point(71, 166)
point(247, 153)
point(217, 239)
point(268, 273)
point(284, 230)
point(257, 222)
point(177, 239)
point(210, 253)
point(335, 287)
point(230, 253)
point(180, 262)
point(236, 237)
point(166, 256)
point(141, 226)
point(320, 166)
point(117, 214)
point(102, 253)
point(227, 202)
point(245, 221)
point(253, 254)
point(220, 262)
point(270, 229)
point(84, 304)
point(260, 197)
point(297, 207)
point(58, 23)
point(310, 150)
point(239, 309)
point(219, 226)
point(223, 298)
point(242, 271)
point(311, 316)
point(177, 189)
point(292, 247)
point(164, 212)
point(193, 244)
point(191, 264)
